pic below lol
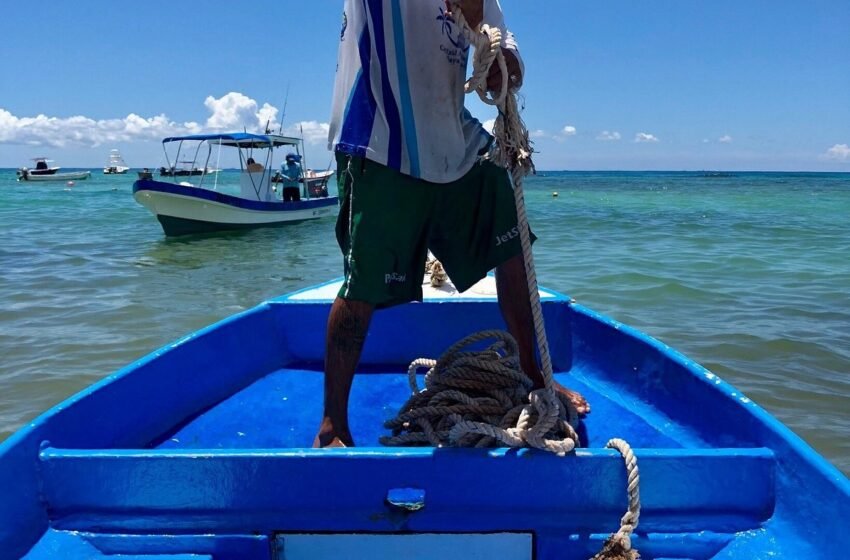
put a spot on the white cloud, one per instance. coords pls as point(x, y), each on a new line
point(58, 132)
point(561, 136)
point(314, 131)
point(642, 137)
point(725, 139)
point(488, 125)
point(237, 111)
point(267, 115)
point(839, 152)
point(233, 111)
point(608, 136)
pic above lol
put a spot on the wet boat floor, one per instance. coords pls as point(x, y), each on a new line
point(283, 409)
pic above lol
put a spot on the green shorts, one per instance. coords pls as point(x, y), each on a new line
point(388, 221)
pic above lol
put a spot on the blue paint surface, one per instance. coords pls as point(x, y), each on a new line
point(208, 437)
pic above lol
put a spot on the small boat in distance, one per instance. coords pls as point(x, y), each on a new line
point(43, 172)
point(116, 165)
point(184, 207)
point(187, 170)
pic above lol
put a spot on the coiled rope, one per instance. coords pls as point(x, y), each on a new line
point(478, 399)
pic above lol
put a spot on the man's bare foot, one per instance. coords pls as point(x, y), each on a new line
point(581, 404)
point(323, 442)
point(330, 437)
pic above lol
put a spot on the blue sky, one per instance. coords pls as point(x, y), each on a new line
point(676, 84)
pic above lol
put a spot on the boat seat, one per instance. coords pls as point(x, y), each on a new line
point(256, 186)
point(467, 490)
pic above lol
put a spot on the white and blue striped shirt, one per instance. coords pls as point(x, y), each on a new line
point(398, 97)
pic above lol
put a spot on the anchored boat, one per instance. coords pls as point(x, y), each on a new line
point(202, 450)
point(200, 206)
point(185, 170)
point(116, 165)
point(43, 172)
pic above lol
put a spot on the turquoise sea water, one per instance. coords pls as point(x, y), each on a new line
point(748, 275)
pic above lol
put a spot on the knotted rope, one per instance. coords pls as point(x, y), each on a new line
point(481, 398)
point(435, 270)
point(478, 399)
point(619, 545)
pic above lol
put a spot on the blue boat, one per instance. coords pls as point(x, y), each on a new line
point(201, 451)
point(183, 207)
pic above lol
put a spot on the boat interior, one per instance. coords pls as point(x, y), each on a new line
point(202, 450)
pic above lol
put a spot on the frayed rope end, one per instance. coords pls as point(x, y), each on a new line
point(617, 548)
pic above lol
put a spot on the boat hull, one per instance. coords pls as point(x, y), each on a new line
point(202, 448)
point(317, 177)
point(183, 210)
point(69, 176)
point(163, 172)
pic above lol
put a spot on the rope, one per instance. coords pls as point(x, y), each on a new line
point(619, 545)
point(513, 152)
point(435, 270)
point(481, 398)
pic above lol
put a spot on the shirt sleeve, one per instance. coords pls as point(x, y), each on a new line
point(494, 17)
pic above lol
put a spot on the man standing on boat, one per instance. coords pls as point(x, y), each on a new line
point(412, 177)
point(290, 173)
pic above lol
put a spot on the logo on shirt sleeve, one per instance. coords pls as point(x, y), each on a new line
point(459, 49)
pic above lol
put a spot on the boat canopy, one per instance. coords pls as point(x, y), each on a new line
point(240, 139)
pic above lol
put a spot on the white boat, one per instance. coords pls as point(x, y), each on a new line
point(197, 207)
point(116, 165)
point(186, 169)
point(43, 172)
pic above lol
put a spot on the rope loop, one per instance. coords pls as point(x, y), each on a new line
point(480, 398)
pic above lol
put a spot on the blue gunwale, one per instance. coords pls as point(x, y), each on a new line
point(109, 426)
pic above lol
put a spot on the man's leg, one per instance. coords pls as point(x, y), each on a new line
point(382, 231)
point(347, 326)
point(515, 304)
point(512, 288)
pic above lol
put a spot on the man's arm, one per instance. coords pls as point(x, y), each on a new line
point(494, 78)
point(473, 11)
